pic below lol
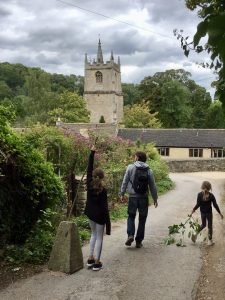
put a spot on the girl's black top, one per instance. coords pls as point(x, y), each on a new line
point(97, 205)
point(206, 205)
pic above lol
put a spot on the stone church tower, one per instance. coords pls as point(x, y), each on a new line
point(102, 88)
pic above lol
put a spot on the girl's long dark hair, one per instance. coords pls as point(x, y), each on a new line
point(206, 187)
point(97, 180)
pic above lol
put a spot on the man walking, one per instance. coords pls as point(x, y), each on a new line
point(138, 179)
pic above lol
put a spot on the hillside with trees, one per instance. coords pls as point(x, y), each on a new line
point(41, 97)
point(177, 100)
point(169, 99)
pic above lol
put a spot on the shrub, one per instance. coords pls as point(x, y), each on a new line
point(28, 185)
point(39, 242)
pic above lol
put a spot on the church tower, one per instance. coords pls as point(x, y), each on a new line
point(102, 88)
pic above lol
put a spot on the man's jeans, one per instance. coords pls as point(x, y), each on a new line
point(134, 204)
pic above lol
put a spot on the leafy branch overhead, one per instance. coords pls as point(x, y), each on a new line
point(212, 28)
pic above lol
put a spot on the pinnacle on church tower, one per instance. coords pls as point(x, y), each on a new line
point(111, 57)
point(99, 53)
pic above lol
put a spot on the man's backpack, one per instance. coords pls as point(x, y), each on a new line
point(140, 182)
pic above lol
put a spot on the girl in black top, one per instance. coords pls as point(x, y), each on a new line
point(205, 200)
point(97, 211)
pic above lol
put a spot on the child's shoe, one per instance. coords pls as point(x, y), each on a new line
point(90, 262)
point(97, 266)
point(194, 237)
point(210, 242)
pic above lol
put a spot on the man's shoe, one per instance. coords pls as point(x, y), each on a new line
point(97, 266)
point(194, 237)
point(139, 244)
point(129, 241)
point(90, 262)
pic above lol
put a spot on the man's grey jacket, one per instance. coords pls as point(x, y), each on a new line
point(129, 178)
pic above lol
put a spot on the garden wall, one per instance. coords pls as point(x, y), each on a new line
point(197, 165)
point(83, 128)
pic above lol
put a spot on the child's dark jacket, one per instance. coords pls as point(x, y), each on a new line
point(97, 205)
point(206, 205)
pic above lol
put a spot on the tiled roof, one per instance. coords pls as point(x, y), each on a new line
point(183, 138)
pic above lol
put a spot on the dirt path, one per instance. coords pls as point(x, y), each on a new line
point(154, 272)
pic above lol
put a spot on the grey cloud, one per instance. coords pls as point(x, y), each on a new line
point(55, 36)
point(109, 8)
point(187, 64)
point(44, 60)
point(4, 12)
point(173, 10)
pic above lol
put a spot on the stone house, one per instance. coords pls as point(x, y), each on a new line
point(181, 143)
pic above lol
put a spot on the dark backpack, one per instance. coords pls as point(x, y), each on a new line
point(140, 182)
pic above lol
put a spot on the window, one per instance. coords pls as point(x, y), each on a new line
point(217, 153)
point(164, 151)
point(195, 152)
point(98, 76)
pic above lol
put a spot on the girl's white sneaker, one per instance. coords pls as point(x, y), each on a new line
point(210, 242)
point(194, 237)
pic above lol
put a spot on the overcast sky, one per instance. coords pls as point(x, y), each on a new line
point(55, 36)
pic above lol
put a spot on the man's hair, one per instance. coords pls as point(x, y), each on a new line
point(141, 156)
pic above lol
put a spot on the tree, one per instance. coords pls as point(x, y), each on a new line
point(200, 102)
point(102, 119)
point(131, 93)
point(175, 111)
point(212, 27)
point(166, 93)
point(139, 116)
point(173, 89)
point(71, 83)
point(215, 117)
point(13, 75)
point(34, 93)
point(7, 116)
point(70, 108)
point(28, 184)
point(5, 91)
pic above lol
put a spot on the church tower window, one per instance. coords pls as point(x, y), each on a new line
point(99, 77)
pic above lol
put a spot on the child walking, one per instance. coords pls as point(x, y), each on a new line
point(205, 200)
point(97, 211)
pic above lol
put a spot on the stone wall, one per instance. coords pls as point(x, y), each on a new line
point(81, 196)
point(83, 128)
point(196, 165)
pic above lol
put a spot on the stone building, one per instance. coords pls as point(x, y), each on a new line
point(102, 88)
point(180, 143)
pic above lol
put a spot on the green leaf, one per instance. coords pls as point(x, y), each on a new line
point(201, 32)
